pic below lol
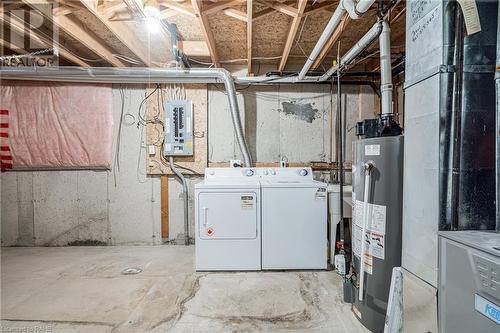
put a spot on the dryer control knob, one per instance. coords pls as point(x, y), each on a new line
point(212, 172)
point(249, 172)
point(272, 172)
point(303, 172)
point(264, 172)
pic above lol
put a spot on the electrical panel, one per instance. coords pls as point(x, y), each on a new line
point(178, 128)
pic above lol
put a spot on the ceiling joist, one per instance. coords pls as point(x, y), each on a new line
point(291, 34)
point(73, 28)
point(207, 32)
point(122, 31)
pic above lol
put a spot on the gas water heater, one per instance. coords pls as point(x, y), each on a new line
point(377, 176)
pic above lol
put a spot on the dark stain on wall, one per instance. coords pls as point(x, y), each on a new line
point(301, 111)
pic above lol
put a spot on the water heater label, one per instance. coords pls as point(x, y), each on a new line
point(372, 150)
point(247, 202)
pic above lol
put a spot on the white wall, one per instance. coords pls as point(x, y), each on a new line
point(61, 207)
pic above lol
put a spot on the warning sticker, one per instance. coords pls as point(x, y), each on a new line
point(471, 16)
point(321, 193)
point(376, 216)
point(247, 202)
point(372, 150)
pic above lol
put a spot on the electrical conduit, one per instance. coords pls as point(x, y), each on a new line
point(185, 195)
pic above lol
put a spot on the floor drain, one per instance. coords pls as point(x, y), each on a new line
point(131, 271)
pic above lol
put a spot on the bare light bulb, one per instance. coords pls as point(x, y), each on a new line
point(153, 24)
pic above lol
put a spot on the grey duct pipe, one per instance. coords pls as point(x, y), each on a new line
point(362, 44)
point(139, 75)
point(355, 11)
point(185, 194)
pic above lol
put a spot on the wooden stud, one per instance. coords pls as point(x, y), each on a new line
point(122, 31)
point(237, 14)
point(207, 32)
point(249, 36)
point(291, 34)
point(179, 7)
point(319, 7)
point(269, 10)
point(73, 28)
point(283, 8)
point(218, 6)
point(18, 25)
point(164, 207)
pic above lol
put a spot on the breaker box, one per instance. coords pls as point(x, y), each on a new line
point(178, 128)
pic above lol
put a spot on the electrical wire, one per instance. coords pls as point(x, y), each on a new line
point(116, 164)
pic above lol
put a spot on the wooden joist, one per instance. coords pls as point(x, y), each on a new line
point(218, 6)
point(291, 34)
point(237, 14)
point(283, 7)
point(74, 28)
point(122, 31)
point(249, 36)
point(18, 25)
point(207, 32)
point(181, 8)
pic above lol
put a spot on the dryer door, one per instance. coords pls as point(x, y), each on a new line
point(227, 215)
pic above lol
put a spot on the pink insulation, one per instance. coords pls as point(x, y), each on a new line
point(58, 125)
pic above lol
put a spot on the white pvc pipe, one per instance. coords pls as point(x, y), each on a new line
point(355, 11)
point(139, 75)
point(362, 44)
point(386, 69)
point(363, 231)
point(329, 29)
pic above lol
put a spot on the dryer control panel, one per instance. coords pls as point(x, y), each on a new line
point(178, 128)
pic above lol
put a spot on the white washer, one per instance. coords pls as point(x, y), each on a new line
point(294, 220)
point(228, 220)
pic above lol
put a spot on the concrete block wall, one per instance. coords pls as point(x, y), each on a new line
point(52, 208)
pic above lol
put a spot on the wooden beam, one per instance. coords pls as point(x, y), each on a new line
point(282, 7)
point(291, 34)
point(164, 207)
point(207, 32)
point(194, 48)
point(319, 7)
point(74, 28)
point(269, 10)
point(168, 13)
point(249, 36)
point(333, 39)
point(62, 10)
point(237, 14)
point(218, 6)
point(179, 7)
point(16, 24)
point(122, 31)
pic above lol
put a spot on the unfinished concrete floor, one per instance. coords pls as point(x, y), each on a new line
point(82, 289)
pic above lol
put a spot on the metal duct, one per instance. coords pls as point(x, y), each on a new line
point(139, 75)
point(467, 163)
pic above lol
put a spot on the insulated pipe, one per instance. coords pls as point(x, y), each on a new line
point(139, 75)
point(385, 69)
point(362, 44)
point(185, 194)
point(355, 11)
point(368, 169)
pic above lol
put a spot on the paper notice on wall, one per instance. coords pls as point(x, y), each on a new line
point(471, 16)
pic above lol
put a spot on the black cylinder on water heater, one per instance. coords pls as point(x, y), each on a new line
point(386, 156)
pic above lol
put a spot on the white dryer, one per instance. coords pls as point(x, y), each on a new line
point(294, 220)
point(228, 220)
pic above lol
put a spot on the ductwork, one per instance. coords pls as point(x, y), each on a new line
point(355, 11)
point(139, 75)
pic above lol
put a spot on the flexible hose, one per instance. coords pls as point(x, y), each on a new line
point(185, 195)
